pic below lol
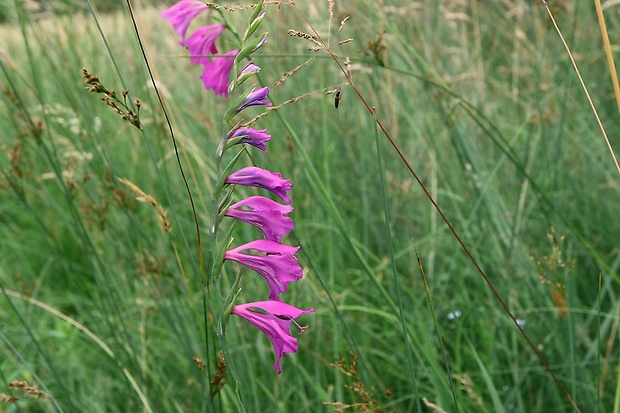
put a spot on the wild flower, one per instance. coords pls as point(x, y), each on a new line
point(202, 43)
point(251, 136)
point(262, 178)
point(265, 214)
point(217, 72)
point(274, 319)
point(249, 70)
point(256, 98)
point(182, 13)
point(278, 266)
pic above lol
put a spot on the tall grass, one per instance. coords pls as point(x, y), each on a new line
point(102, 310)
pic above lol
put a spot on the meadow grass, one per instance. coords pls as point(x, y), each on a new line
point(103, 311)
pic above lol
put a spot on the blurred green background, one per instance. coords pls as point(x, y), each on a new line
point(482, 101)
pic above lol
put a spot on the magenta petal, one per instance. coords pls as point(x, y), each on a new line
point(181, 14)
point(202, 42)
point(274, 319)
point(216, 73)
point(261, 178)
point(253, 137)
point(278, 267)
point(265, 214)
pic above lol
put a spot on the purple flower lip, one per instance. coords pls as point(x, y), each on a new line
point(261, 178)
point(249, 68)
point(181, 14)
point(265, 214)
point(251, 136)
point(274, 319)
point(257, 97)
point(201, 43)
point(216, 73)
point(248, 71)
point(278, 267)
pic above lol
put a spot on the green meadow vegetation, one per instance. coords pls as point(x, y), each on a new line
point(102, 310)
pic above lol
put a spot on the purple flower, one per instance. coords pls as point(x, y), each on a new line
point(202, 42)
point(262, 178)
point(251, 136)
point(215, 75)
point(278, 267)
point(256, 98)
point(274, 319)
point(248, 69)
point(265, 214)
point(181, 14)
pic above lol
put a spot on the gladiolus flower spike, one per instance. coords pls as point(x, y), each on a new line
point(268, 257)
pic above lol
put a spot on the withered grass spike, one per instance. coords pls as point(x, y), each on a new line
point(290, 73)
point(262, 115)
point(433, 406)
point(302, 35)
point(219, 378)
point(110, 99)
point(199, 363)
point(217, 6)
point(31, 391)
point(5, 398)
point(365, 400)
point(162, 215)
point(342, 23)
